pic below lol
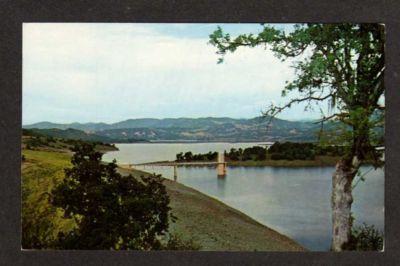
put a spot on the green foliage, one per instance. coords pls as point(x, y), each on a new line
point(189, 156)
point(111, 211)
point(41, 221)
point(37, 141)
point(341, 65)
point(68, 133)
point(365, 238)
point(30, 132)
point(255, 153)
point(302, 151)
point(180, 157)
point(278, 151)
point(176, 242)
point(292, 151)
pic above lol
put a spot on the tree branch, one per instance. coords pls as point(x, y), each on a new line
point(274, 110)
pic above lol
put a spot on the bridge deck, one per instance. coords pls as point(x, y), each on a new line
point(178, 164)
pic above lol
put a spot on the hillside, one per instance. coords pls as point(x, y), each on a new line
point(215, 226)
point(194, 129)
point(61, 140)
point(228, 230)
point(71, 133)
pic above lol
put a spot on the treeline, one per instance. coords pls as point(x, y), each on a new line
point(277, 151)
point(189, 156)
point(255, 153)
point(37, 140)
point(302, 151)
point(131, 140)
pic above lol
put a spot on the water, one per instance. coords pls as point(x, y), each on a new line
point(152, 152)
point(293, 201)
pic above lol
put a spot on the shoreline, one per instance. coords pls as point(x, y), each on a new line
point(236, 230)
point(195, 142)
point(323, 161)
point(210, 223)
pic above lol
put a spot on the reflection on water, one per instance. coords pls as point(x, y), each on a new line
point(294, 201)
point(221, 185)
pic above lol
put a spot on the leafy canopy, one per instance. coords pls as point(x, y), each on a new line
point(338, 64)
point(112, 211)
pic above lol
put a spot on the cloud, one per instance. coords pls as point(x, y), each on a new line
point(111, 72)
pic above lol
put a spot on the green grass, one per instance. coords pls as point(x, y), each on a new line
point(41, 172)
point(59, 145)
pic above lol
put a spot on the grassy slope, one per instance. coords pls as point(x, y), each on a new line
point(59, 144)
point(208, 222)
point(41, 171)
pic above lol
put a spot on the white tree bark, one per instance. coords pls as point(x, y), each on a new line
point(341, 202)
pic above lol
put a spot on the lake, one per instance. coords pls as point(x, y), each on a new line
point(293, 201)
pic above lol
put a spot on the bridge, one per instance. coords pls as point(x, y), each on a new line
point(220, 165)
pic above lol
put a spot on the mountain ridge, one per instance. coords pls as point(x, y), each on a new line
point(196, 129)
point(48, 124)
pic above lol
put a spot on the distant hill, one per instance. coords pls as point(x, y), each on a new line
point(85, 127)
point(190, 129)
point(70, 133)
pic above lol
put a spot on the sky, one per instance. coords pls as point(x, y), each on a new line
point(109, 72)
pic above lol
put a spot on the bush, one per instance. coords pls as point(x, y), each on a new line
point(277, 156)
point(189, 156)
point(299, 151)
point(255, 153)
point(365, 238)
point(175, 242)
point(112, 211)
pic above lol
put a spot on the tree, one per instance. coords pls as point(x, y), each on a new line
point(188, 156)
point(179, 157)
point(111, 211)
point(341, 65)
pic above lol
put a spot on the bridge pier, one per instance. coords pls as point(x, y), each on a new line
point(175, 172)
point(221, 167)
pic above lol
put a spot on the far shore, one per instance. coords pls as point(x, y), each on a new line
point(266, 142)
point(320, 161)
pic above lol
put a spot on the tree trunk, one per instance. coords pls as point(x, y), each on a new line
point(341, 201)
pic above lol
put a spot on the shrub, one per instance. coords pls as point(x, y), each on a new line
point(276, 156)
point(365, 238)
point(112, 211)
point(175, 242)
point(296, 151)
